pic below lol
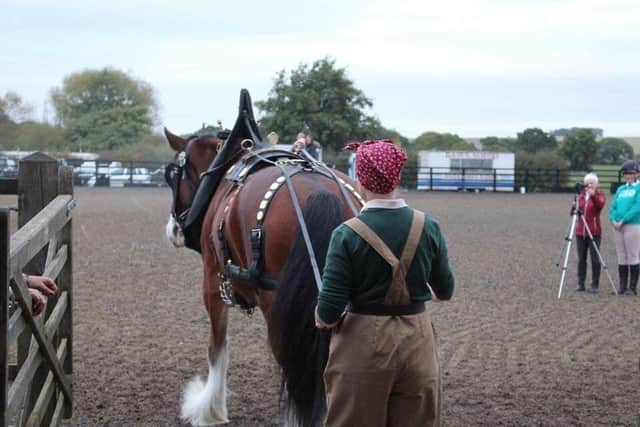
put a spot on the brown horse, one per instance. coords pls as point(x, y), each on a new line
point(254, 254)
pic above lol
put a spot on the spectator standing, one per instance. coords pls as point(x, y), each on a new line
point(590, 203)
point(624, 213)
point(311, 146)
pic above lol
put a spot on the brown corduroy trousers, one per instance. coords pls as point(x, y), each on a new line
point(383, 371)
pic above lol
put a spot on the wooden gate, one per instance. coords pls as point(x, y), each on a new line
point(33, 393)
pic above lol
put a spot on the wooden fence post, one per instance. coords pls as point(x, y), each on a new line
point(5, 236)
point(65, 280)
point(37, 186)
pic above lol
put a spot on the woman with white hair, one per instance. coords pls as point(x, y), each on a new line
point(590, 203)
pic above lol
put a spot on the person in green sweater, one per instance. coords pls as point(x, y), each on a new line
point(381, 268)
point(624, 213)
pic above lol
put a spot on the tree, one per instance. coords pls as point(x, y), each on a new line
point(320, 100)
point(541, 171)
point(614, 151)
point(375, 130)
point(580, 148)
point(104, 109)
point(441, 141)
point(532, 140)
point(13, 108)
point(493, 143)
point(40, 137)
point(208, 129)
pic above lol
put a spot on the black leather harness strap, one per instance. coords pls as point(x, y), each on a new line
point(387, 310)
point(338, 181)
point(289, 166)
point(303, 226)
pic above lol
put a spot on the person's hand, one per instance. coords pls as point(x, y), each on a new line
point(320, 324)
point(591, 191)
point(44, 284)
point(617, 225)
point(434, 297)
point(38, 301)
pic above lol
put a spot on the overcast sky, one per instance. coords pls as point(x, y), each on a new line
point(471, 67)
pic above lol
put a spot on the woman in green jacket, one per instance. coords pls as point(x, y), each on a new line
point(624, 213)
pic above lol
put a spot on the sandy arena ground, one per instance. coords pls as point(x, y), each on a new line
point(512, 354)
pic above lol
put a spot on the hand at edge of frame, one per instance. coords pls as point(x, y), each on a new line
point(44, 284)
point(38, 300)
point(434, 297)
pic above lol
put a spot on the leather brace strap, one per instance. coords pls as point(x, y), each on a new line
point(398, 294)
point(370, 236)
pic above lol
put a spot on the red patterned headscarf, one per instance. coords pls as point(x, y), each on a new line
point(379, 164)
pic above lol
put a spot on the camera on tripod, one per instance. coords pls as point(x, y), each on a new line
point(579, 187)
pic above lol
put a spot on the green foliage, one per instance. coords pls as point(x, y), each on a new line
point(8, 132)
point(104, 109)
point(320, 100)
point(409, 178)
point(108, 129)
point(12, 110)
point(35, 136)
point(440, 142)
point(613, 151)
point(153, 148)
point(493, 143)
point(207, 130)
point(580, 148)
point(17, 132)
point(374, 130)
point(533, 140)
point(541, 171)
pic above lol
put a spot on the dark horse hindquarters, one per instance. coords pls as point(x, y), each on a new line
point(303, 348)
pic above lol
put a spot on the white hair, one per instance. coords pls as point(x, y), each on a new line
point(591, 177)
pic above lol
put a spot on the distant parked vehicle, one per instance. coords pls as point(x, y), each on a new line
point(8, 168)
point(125, 177)
point(157, 177)
point(86, 172)
point(100, 175)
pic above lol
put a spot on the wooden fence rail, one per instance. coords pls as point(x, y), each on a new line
point(36, 387)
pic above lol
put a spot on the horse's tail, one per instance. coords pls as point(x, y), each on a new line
point(302, 349)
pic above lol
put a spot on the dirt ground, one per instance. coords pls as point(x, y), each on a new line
point(512, 354)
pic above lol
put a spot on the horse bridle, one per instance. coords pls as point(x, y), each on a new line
point(174, 173)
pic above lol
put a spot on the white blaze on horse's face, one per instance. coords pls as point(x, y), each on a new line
point(173, 232)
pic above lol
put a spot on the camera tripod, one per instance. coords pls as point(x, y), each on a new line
point(578, 215)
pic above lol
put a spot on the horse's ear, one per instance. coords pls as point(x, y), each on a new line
point(176, 142)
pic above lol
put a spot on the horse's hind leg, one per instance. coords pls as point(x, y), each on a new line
point(206, 403)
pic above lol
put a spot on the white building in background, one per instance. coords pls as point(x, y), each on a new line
point(466, 170)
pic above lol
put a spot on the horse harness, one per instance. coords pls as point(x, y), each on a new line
point(289, 164)
point(176, 172)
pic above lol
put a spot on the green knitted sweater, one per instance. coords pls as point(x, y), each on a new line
point(354, 272)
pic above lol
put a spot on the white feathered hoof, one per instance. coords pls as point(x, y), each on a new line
point(205, 404)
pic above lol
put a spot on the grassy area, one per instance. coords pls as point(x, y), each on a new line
point(607, 174)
